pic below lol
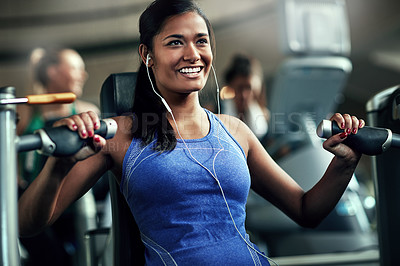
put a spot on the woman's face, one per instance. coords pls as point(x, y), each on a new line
point(182, 55)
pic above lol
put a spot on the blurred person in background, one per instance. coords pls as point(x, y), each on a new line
point(244, 96)
point(54, 70)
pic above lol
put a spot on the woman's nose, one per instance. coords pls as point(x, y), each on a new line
point(191, 53)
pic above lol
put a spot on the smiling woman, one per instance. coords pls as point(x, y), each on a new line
point(180, 50)
point(184, 171)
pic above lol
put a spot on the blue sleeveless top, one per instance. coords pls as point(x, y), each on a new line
point(178, 205)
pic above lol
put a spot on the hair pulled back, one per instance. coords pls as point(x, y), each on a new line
point(150, 113)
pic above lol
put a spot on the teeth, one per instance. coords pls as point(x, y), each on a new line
point(190, 70)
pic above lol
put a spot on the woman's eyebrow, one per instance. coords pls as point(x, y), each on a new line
point(180, 36)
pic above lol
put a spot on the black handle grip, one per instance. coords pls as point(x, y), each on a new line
point(368, 140)
point(69, 142)
point(60, 141)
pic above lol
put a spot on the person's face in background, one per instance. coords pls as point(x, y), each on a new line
point(247, 89)
point(69, 75)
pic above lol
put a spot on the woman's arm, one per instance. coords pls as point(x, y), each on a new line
point(63, 180)
point(274, 184)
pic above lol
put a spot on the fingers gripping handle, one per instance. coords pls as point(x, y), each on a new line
point(368, 140)
point(60, 141)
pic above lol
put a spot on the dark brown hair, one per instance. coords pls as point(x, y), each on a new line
point(146, 102)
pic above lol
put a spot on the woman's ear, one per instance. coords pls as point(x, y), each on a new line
point(145, 55)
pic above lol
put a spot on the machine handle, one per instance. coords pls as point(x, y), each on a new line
point(368, 140)
point(61, 141)
point(66, 97)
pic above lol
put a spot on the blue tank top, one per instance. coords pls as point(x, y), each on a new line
point(179, 207)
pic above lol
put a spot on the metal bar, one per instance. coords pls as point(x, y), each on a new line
point(13, 101)
point(9, 253)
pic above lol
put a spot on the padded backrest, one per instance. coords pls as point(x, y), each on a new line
point(117, 92)
point(116, 98)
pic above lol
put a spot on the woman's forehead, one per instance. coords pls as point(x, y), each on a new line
point(184, 23)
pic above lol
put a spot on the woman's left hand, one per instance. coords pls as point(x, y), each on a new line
point(350, 125)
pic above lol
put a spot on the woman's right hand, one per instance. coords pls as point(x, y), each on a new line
point(85, 124)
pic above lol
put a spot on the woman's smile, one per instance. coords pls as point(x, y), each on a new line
point(191, 72)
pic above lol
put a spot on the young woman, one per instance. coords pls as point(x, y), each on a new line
point(186, 173)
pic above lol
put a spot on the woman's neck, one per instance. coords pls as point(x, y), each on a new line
point(190, 117)
point(184, 105)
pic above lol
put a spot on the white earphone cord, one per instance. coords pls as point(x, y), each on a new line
point(222, 148)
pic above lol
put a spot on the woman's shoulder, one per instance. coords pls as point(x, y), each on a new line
point(124, 123)
point(124, 130)
point(117, 146)
point(231, 123)
point(238, 129)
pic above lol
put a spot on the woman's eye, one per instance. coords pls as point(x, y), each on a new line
point(203, 41)
point(175, 42)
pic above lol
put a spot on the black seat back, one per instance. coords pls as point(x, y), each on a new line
point(116, 99)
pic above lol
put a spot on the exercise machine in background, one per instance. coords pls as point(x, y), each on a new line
point(305, 90)
point(383, 110)
point(58, 141)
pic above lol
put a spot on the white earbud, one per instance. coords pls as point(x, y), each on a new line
point(147, 60)
point(151, 83)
